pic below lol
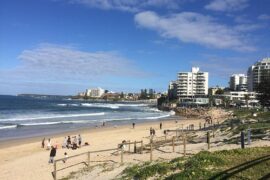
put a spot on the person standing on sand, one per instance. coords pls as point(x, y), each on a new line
point(52, 154)
point(66, 157)
point(80, 140)
point(154, 132)
point(49, 144)
point(133, 124)
point(64, 145)
point(160, 125)
point(68, 142)
point(43, 143)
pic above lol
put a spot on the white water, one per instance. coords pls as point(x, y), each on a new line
point(54, 116)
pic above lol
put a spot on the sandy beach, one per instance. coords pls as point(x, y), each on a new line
point(25, 159)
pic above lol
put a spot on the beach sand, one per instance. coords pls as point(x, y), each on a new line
point(25, 159)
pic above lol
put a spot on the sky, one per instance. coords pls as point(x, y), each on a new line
point(66, 46)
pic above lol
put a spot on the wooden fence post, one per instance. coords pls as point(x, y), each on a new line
point(249, 136)
point(151, 152)
point(184, 138)
point(173, 143)
point(141, 147)
point(135, 147)
point(88, 159)
point(54, 171)
point(208, 140)
point(122, 155)
point(242, 139)
point(129, 147)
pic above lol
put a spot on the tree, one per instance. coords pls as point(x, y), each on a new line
point(226, 101)
point(247, 98)
point(220, 91)
point(263, 89)
point(122, 95)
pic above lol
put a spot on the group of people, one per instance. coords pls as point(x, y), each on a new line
point(48, 144)
point(76, 142)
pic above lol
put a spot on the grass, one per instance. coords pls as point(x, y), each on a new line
point(247, 113)
point(205, 165)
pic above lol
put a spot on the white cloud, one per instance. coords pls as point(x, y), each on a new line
point(54, 63)
point(194, 28)
point(227, 5)
point(264, 17)
point(248, 27)
point(129, 5)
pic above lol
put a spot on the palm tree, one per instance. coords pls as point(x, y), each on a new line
point(247, 98)
point(226, 101)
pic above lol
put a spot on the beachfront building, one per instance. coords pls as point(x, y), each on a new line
point(191, 84)
point(238, 82)
point(95, 92)
point(172, 90)
point(240, 97)
point(256, 72)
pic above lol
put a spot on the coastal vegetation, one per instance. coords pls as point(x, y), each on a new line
point(250, 163)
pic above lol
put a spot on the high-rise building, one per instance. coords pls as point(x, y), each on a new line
point(172, 90)
point(256, 72)
point(194, 83)
point(95, 93)
point(238, 82)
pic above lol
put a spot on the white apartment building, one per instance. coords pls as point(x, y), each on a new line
point(95, 93)
point(255, 73)
point(194, 83)
point(239, 95)
point(238, 82)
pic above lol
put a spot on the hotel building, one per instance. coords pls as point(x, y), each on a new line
point(256, 73)
point(238, 82)
point(192, 84)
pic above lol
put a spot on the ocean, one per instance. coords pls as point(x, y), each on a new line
point(22, 117)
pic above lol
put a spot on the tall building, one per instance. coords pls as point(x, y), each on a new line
point(194, 83)
point(172, 91)
point(256, 73)
point(238, 82)
point(95, 93)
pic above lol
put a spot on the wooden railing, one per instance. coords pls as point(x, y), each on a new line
point(88, 153)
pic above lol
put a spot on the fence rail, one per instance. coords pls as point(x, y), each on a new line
point(181, 139)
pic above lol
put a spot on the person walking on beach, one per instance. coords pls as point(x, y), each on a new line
point(160, 125)
point(133, 125)
point(43, 143)
point(52, 154)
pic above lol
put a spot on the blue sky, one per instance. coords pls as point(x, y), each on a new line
point(66, 46)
